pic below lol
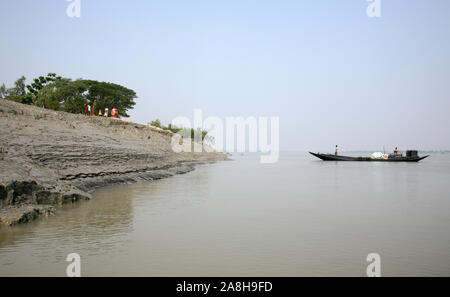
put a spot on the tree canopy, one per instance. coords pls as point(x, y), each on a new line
point(108, 95)
point(40, 82)
point(64, 94)
point(15, 93)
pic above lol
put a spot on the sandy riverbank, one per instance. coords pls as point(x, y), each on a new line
point(50, 158)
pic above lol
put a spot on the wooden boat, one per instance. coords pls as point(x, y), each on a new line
point(411, 156)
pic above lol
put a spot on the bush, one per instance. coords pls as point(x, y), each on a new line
point(183, 131)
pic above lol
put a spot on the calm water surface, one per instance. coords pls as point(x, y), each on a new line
point(299, 217)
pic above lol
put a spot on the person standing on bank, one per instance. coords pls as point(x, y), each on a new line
point(336, 151)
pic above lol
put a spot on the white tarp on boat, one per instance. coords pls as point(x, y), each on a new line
point(377, 155)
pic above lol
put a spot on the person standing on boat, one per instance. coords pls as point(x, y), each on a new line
point(337, 150)
point(396, 150)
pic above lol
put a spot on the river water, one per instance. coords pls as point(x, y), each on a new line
point(299, 217)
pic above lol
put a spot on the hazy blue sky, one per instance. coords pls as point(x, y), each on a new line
point(332, 75)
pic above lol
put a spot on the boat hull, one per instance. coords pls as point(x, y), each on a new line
point(329, 157)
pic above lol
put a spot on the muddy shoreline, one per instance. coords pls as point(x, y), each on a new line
point(50, 158)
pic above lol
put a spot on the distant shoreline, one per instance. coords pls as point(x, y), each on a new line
point(50, 158)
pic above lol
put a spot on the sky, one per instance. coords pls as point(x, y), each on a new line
point(329, 72)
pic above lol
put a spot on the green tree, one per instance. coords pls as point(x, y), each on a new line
point(173, 128)
point(155, 123)
point(185, 132)
point(74, 95)
point(27, 99)
point(3, 91)
point(54, 94)
point(109, 95)
point(18, 90)
point(40, 82)
point(201, 133)
point(60, 93)
point(195, 134)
